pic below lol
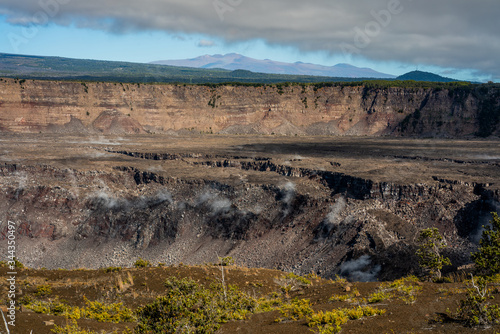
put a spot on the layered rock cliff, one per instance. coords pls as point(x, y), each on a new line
point(115, 108)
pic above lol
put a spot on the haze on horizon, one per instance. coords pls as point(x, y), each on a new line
point(454, 38)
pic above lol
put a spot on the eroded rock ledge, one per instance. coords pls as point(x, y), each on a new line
point(114, 108)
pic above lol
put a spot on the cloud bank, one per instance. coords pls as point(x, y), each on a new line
point(460, 34)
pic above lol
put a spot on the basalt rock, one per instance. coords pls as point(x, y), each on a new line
point(97, 219)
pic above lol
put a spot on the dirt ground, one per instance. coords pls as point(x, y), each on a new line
point(378, 159)
point(148, 283)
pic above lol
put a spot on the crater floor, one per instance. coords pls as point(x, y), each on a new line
point(306, 204)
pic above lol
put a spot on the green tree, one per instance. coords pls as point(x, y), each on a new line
point(487, 259)
point(431, 242)
point(476, 309)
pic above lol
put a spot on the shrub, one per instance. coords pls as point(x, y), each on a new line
point(351, 297)
point(140, 263)
point(93, 310)
point(362, 312)
point(71, 328)
point(295, 310)
point(226, 261)
point(18, 264)
point(268, 304)
point(442, 280)
point(340, 280)
point(431, 243)
point(312, 276)
point(331, 321)
point(102, 312)
point(112, 269)
point(487, 259)
point(404, 289)
point(43, 290)
point(291, 282)
point(190, 308)
point(475, 310)
point(379, 296)
point(328, 322)
point(301, 280)
point(53, 307)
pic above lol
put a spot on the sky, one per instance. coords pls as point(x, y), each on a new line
point(454, 38)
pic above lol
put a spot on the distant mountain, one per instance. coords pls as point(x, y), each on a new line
point(424, 76)
point(234, 61)
point(58, 68)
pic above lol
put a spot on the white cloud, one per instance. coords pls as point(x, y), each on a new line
point(459, 34)
point(206, 44)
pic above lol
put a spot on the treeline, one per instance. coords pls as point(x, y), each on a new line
point(453, 87)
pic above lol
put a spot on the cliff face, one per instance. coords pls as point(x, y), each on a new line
point(52, 106)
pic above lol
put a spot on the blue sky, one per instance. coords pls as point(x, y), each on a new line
point(69, 29)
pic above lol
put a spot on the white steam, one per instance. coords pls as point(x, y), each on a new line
point(336, 209)
point(288, 194)
point(360, 270)
point(214, 202)
point(220, 205)
point(484, 220)
point(109, 201)
point(161, 196)
point(22, 180)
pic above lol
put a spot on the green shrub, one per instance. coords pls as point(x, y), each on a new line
point(431, 242)
point(442, 280)
point(340, 280)
point(475, 310)
point(379, 296)
point(54, 307)
point(351, 297)
point(487, 259)
point(268, 304)
point(71, 329)
point(404, 289)
point(328, 322)
point(363, 312)
point(190, 308)
point(112, 269)
point(43, 290)
point(295, 310)
point(18, 264)
point(331, 321)
point(140, 263)
point(301, 280)
point(324, 321)
point(101, 312)
point(291, 282)
point(226, 261)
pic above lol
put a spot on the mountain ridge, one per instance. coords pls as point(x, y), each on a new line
point(61, 68)
point(424, 76)
point(235, 61)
